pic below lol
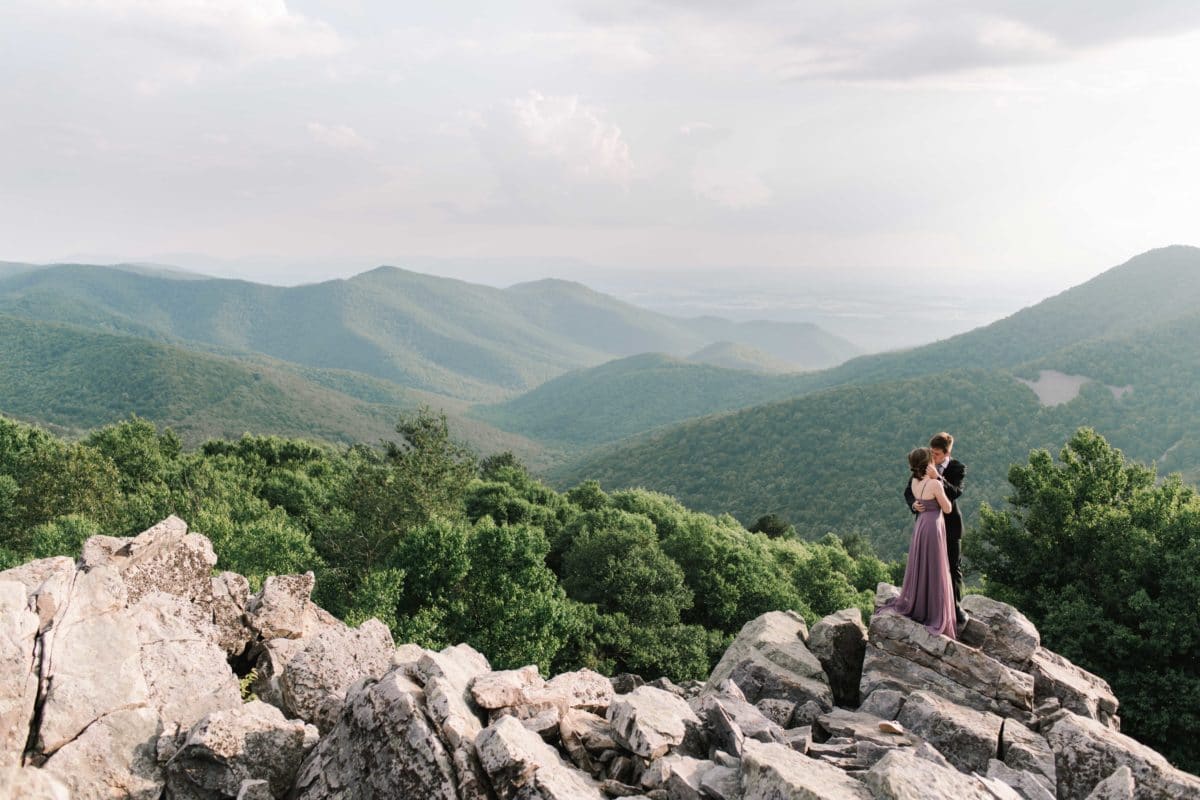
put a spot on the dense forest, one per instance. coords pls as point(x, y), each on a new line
point(440, 546)
point(444, 547)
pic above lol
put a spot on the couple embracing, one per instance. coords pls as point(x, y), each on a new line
point(932, 587)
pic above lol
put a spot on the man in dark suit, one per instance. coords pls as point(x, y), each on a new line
point(952, 472)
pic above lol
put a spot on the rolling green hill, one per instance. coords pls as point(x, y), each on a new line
point(833, 460)
point(630, 396)
point(732, 355)
point(434, 334)
point(77, 379)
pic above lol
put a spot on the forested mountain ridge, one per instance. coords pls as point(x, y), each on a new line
point(833, 459)
point(78, 379)
point(440, 335)
point(630, 396)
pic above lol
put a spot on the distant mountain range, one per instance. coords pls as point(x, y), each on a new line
point(85, 345)
point(581, 385)
point(831, 456)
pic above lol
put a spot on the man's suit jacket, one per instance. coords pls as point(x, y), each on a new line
point(952, 478)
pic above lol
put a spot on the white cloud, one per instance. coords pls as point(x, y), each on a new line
point(339, 137)
point(214, 30)
point(560, 135)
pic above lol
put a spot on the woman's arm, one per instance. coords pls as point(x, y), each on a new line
point(939, 494)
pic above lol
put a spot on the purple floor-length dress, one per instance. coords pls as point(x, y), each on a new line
point(927, 595)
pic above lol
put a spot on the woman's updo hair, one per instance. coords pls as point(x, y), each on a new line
point(918, 460)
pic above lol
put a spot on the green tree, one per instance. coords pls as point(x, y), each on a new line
point(1106, 564)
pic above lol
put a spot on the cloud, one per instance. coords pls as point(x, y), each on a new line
point(893, 40)
point(221, 31)
point(339, 137)
point(568, 134)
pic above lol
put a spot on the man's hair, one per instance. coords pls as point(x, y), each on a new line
point(941, 441)
point(918, 460)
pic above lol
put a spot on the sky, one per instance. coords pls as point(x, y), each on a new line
point(997, 147)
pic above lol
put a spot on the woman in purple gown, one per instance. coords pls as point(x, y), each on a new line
point(927, 595)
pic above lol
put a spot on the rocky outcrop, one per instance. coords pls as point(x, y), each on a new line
point(118, 681)
point(1086, 752)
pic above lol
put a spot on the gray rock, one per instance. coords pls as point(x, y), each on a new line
point(116, 756)
point(31, 783)
point(1026, 784)
point(314, 681)
point(284, 610)
point(229, 748)
point(799, 739)
point(459, 664)
point(839, 642)
point(185, 671)
point(769, 659)
point(583, 688)
point(458, 722)
point(777, 772)
point(685, 776)
point(903, 656)
point(520, 765)
point(1024, 749)
point(749, 719)
point(163, 558)
point(1087, 751)
point(1118, 786)
point(966, 737)
point(648, 721)
point(382, 746)
point(903, 775)
point(91, 659)
point(806, 713)
point(230, 593)
point(1075, 688)
point(884, 593)
point(1011, 638)
point(861, 727)
point(778, 711)
point(47, 583)
point(508, 687)
point(721, 783)
point(271, 662)
point(883, 703)
point(18, 670)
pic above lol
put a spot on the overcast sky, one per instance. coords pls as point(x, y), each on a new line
point(1016, 143)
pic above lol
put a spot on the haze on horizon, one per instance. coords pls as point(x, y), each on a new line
point(1004, 148)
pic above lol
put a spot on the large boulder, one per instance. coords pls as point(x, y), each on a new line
point(284, 608)
point(382, 746)
point(92, 659)
point(1118, 786)
point(313, 683)
point(116, 756)
point(903, 656)
point(1011, 638)
point(251, 742)
point(163, 558)
point(186, 673)
point(1075, 688)
point(968, 738)
point(18, 671)
point(648, 722)
point(1026, 784)
point(1087, 751)
point(903, 775)
point(769, 660)
point(777, 772)
point(839, 642)
point(520, 765)
point(1027, 750)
